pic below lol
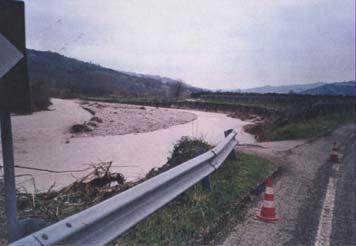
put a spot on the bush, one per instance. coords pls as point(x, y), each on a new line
point(185, 149)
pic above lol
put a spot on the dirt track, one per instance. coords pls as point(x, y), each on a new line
point(299, 192)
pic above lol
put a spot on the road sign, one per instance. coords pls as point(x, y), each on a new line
point(14, 85)
point(9, 56)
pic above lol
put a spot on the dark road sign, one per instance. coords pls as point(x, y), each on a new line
point(9, 56)
point(14, 85)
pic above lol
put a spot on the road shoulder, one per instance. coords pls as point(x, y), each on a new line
point(303, 182)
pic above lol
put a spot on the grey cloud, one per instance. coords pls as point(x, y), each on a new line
point(213, 44)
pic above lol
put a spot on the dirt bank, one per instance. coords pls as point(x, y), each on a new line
point(117, 119)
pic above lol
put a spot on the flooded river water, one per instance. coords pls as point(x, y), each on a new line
point(40, 141)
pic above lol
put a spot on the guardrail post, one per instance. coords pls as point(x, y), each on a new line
point(206, 183)
point(232, 155)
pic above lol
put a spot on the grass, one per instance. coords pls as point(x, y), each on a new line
point(266, 105)
point(152, 100)
point(303, 129)
point(190, 216)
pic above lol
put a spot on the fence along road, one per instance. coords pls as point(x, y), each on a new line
point(106, 221)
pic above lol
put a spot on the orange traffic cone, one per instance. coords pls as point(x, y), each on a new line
point(334, 157)
point(268, 211)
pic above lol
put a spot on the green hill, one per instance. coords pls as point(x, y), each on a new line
point(68, 77)
point(334, 89)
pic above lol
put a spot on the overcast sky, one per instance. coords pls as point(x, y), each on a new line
point(207, 43)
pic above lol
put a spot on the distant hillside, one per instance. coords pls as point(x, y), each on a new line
point(297, 88)
point(334, 89)
point(71, 77)
point(320, 88)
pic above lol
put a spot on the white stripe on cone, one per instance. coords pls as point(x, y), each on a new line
point(269, 190)
point(268, 204)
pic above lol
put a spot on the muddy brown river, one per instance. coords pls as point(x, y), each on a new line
point(41, 139)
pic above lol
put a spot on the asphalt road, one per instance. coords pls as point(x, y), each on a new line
point(343, 229)
point(314, 198)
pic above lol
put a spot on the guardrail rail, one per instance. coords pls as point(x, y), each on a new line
point(106, 221)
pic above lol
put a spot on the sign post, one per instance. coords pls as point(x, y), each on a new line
point(9, 176)
point(14, 97)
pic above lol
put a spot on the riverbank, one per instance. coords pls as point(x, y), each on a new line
point(43, 140)
point(119, 119)
point(275, 116)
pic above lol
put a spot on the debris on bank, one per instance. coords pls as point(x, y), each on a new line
point(100, 180)
point(92, 112)
point(86, 126)
point(79, 128)
point(96, 119)
point(98, 185)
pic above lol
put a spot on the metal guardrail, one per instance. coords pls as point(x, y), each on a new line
point(106, 221)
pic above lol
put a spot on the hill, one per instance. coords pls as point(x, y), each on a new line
point(68, 77)
point(334, 89)
point(296, 88)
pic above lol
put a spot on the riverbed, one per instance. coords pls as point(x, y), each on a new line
point(42, 140)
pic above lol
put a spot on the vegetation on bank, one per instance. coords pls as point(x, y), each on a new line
point(309, 128)
point(195, 215)
point(185, 149)
point(286, 116)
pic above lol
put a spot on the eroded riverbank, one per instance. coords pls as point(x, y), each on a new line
point(110, 119)
point(41, 141)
